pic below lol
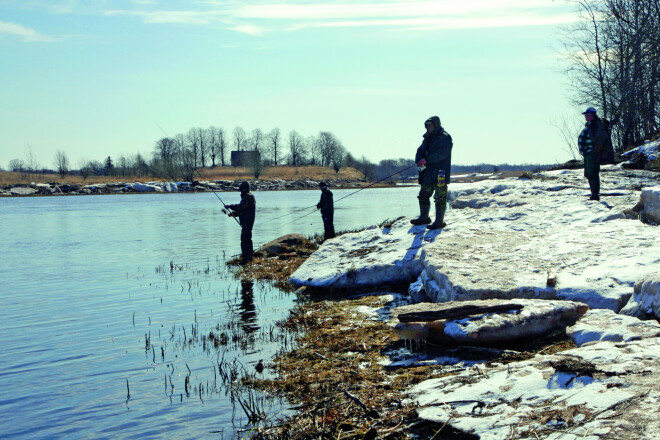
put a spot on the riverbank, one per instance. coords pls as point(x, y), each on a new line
point(350, 376)
point(215, 179)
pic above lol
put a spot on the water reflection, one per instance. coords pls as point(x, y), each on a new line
point(248, 311)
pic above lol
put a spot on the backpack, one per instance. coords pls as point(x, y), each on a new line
point(607, 154)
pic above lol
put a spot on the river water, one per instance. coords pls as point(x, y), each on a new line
point(108, 303)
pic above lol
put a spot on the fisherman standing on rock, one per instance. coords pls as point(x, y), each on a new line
point(433, 160)
point(245, 211)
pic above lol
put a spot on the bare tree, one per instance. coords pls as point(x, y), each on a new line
point(297, 148)
point(31, 163)
point(275, 147)
point(569, 129)
point(239, 138)
point(212, 138)
point(257, 139)
point(613, 52)
point(194, 142)
point(85, 168)
point(222, 145)
point(61, 163)
point(16, 165)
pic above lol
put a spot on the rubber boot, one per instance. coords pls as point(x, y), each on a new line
point(594, 185)
point(439, 222)
point(423, 218)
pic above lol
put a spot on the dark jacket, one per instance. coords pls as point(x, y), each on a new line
point(436, 149)
point(326, 204)
point(595, 138)
point(245, 210)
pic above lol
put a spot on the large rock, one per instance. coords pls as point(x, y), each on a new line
point(605, 325)
point(650, 199)
point(283, 244)
point(22, 191)
point(605, 390)
point(485, 322)
point(645, 301)
point(373, 257)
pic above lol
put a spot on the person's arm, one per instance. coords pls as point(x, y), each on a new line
point(440, 149)
point(420, 158)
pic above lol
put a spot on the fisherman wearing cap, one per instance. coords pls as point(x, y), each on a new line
point(327, 207)
point(245, 211)
point(433, 161)
point(593, 144)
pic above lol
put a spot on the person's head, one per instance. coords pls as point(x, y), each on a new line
point(323, 185)
point(589, 114)
point(244, 187)
point(432, 124)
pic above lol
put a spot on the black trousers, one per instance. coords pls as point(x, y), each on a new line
point(328, 226)
point(246, 244)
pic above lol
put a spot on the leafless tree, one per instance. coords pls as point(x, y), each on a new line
point(16, 165)
point(61, 163)
point(297, 148)
point(222, 145)
point(569, 128)
point(257, 139)
point(613, 52)
point(239, 138)
point(275, 147)
point(31, 163)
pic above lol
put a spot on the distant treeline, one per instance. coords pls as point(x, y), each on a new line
point(181, 156)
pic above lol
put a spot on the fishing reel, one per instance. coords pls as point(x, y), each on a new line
point(226, 211)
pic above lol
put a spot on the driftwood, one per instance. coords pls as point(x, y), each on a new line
point(457, 312)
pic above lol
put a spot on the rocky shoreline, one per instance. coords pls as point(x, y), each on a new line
point(47, 189)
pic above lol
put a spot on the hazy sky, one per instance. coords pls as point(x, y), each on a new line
point(96, 78)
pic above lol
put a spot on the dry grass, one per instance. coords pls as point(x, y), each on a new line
point(8, 178)
point(227, 173)
point(283, 173)
point(337, 360)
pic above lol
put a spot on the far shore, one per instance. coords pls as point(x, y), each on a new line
point(220, 179)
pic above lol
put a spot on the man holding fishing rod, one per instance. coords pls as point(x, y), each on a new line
point(245, 212)
point(433, 161)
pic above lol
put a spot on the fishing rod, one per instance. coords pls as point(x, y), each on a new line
point(353, 193)
point(226, 209)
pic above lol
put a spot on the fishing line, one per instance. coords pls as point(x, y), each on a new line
point(351, 194)
point(226, 209)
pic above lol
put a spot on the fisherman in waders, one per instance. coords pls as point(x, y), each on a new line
point(327, 207)
point(593, 143)
point(433, 160)
point(245, 212)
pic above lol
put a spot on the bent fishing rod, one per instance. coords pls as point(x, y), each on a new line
point(226, 209)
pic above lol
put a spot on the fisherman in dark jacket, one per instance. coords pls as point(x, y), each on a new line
point(327, 207)
point(245, 211)
point(433, 159)
point(593, 144)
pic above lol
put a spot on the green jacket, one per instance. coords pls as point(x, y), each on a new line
point(436, 149)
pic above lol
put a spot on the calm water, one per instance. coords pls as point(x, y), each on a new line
point(100, 338)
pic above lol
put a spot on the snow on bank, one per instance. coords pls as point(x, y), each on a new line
point(505, 239)
point(576, 394)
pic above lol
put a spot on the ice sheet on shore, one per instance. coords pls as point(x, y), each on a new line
point(503, 240)
point(577, 391)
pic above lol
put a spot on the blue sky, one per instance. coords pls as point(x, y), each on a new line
point(96, 78)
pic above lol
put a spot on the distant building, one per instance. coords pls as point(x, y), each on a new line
point(244, 158)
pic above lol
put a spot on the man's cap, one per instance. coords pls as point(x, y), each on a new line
point(589, 110)
point(322, 184)
point(244, 186)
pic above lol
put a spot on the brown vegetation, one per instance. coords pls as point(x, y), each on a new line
point(335, 376)
point(8, 178)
